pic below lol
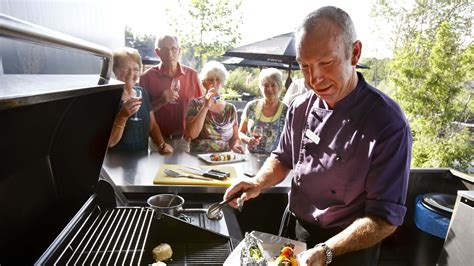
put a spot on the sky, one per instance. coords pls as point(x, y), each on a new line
point(263, 19)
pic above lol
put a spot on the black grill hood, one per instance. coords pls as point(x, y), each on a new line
point(53, 141)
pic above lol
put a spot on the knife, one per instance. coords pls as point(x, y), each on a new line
point(214, 174)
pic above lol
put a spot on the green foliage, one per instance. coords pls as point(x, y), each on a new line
point(378, 72)
point(428, 77)
point(243, 80)
point(215, 28)
point(145, 44)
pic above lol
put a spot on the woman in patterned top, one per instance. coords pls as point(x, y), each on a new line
point(263, 119)
point(132, 134)
point(211, 123)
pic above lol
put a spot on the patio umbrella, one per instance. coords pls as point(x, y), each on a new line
point(235, 61)
point(279, 49)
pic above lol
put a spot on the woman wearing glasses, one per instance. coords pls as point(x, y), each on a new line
point(135, 121)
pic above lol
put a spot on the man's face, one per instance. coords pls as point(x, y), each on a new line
point(326, 67)
point(168, 52)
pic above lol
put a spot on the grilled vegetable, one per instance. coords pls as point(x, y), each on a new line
point(221, 157)
point(287, 256)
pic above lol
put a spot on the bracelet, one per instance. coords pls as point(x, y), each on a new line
point(119, 126)
point(327, 251)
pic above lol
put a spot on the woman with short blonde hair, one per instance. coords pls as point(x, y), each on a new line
point(263, 119)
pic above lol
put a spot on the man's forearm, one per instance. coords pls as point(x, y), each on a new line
point(362, 233)
point(271, 173)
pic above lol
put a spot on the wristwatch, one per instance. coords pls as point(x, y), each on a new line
point(327, 251)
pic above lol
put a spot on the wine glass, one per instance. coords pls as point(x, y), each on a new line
point(138, 96)
point(257, 132)
point(175, 86)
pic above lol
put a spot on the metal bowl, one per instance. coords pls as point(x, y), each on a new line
point(161, 204)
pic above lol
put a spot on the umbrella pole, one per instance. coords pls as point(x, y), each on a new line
point(288, 79)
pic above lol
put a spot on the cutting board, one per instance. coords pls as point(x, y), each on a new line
point(162, 179)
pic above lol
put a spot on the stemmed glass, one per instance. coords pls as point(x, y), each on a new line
point(138, 96)
point(257, 132)
point(175, 86)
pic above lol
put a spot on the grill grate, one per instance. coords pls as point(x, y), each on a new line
point(116, 236)
point(199, 253)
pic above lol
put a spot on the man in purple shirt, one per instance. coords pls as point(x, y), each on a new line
point(349, 147)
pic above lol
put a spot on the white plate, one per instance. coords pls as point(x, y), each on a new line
point(237, 157)
point(271, 245)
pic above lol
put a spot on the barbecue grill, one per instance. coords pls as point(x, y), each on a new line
point(54, 208)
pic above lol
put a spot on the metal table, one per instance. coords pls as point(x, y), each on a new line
point(134, 172)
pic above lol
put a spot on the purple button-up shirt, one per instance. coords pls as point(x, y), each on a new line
point(356, 161)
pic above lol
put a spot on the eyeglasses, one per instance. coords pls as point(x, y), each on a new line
point(213, 79)
point(171, 50)
point(128, 68)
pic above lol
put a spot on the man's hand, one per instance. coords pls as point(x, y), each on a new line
point(250, 190)
point(165, 148)
point(169, 96)
point(313, 256)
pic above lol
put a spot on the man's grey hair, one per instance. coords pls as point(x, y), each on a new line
point(338, 17)
point(159, 39)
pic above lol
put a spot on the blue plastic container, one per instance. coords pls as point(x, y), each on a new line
point(430, 221)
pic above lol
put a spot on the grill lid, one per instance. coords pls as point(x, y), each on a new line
point(52, 151)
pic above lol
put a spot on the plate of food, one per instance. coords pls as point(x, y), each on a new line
point(222, 157)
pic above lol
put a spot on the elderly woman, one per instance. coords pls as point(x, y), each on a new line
point(211, 123)
point(135, 121)
point(263, 119)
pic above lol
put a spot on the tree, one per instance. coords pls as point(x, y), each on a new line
point(205, 28)
point(429, 73)
point(145, 44)
point(378, 70)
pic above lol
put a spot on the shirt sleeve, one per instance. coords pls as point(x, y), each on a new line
point(387, 180)
point(245, 113)
point(193, 108)
point(197, 85)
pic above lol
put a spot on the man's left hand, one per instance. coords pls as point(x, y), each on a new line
point(313, 256)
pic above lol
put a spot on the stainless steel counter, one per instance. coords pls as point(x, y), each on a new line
point(134, 172)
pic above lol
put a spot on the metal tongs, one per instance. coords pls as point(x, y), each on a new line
point(211, 173)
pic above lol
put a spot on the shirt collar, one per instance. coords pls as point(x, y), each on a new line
point(160, 72)
point(354, 96)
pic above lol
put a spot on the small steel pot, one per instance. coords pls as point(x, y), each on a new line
point(159, 203)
